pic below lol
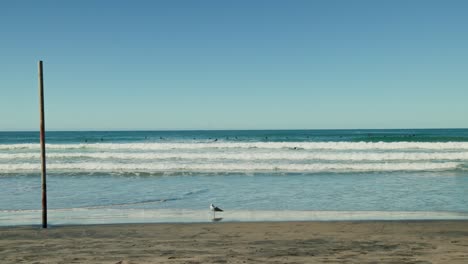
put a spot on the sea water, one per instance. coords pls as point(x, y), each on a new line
point(270, 175)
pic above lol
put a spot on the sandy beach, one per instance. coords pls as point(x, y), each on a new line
point(264, 242)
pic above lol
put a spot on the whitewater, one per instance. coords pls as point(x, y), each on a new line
point(157, 176)
point(241, 157)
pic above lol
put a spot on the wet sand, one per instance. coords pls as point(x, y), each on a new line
point(260, 242)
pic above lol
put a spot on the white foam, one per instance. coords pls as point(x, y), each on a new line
point(242, 167)
point(262, 145)
point(251, 155)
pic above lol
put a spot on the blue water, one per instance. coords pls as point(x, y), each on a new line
point(151, 176)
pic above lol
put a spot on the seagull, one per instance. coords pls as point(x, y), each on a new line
point(215, 209)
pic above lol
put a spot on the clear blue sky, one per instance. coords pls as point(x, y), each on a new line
point(235, 64)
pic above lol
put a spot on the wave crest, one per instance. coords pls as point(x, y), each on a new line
point(248, 145)
point(232, 167)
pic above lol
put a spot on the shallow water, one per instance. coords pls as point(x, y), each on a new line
point(99, 177)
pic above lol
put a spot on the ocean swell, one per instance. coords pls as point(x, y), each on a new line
point(236, 157)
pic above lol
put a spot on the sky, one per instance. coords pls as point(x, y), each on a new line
point(163, 65)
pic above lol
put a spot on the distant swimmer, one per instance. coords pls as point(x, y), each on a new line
point(215, 140)
point(295, 148)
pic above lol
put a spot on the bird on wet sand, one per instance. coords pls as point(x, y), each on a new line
point(215, 209)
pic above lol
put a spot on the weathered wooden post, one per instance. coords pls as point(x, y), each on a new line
point(43, 153)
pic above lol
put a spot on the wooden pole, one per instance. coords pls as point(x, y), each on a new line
point(43, 153)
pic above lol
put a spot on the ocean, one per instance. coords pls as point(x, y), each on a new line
point(266, 175)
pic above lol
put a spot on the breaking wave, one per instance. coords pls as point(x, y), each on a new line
point(236, 157)
point(249, 145)
point(233, 167)
point(349, 156)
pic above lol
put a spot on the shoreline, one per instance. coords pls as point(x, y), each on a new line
point(427, 241)
point(227, 222)
point(92, 216)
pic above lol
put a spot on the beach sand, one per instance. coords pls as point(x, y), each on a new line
point(258, 242)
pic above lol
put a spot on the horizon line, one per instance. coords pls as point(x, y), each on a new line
point(264, 129)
